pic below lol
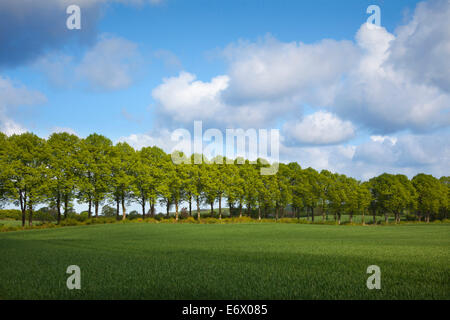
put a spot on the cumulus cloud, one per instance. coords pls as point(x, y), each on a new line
point(422, 46)
point(62, 130)
point(270, 69)
point(408, 154)
point(374, 82)
point(12, 96)
point(186, 99)
point(183, 99)
point(110, 64)
point(385, 100)
point(320, 128)
point(10, 127)
point(161, 139)
point(29, 28)
point(406, 151)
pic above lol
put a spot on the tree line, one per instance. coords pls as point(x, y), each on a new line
point(94, 171)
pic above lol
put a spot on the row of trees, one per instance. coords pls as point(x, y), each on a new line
point(64, 168)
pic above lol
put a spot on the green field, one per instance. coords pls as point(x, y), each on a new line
point(234, 261)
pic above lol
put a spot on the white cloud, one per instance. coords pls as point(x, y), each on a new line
point(409, 155)
point(161, 139)
point(186, 99)
point(12, 96)
point(57, 67)
point(422, 46)
point(63, 129)
point(270, 69)
point(10, 127)
point(110, 64)
point(393, 140)
point(383, 99)
point(320, 128)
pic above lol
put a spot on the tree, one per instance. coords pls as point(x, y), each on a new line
point(4, 172)
point(108, 211)
point(337, 195)
point(284, 194)
point(63, 170)
point(95, 152)
point(26, 169)
point(364, 199)
point(250, 177)
point(431, 195)
point(393, 194)
point(122, 165)
point(177, 182)
point(445, 181)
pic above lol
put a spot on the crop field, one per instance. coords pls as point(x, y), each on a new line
point(234, 261)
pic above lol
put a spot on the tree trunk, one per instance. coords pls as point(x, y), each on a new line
point(428, 217)
point(117, 208)
point(339, 218)
point(276, 214)
point(198, 207)
point(351, 217)
point(124, 210)
point(22, 201)
point(190, 206)
point(168, 208)
point(386, 218)
point(176, 210)
point(90, 208)
point(66, 206)
point(259, 213)
point(363, 223)
point(312, 214)
point(374, 218)
point(58, 207)
point(323, 213)
point(143, 208)
point(212, 208)
point(96, 209)
point(419, 216)
point(220, 207)
point(152, 208)
point(30, 216)
point(240, 209)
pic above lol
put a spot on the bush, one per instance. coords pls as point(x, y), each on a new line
point(189, 220)
point(11, 214)
point(69, 222)
point(410, 217)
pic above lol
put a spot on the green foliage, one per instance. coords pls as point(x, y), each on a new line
point(65, 168)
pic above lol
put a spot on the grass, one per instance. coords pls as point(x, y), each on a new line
point(234, 261)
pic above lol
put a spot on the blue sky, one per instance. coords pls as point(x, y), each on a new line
point(345, 97)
